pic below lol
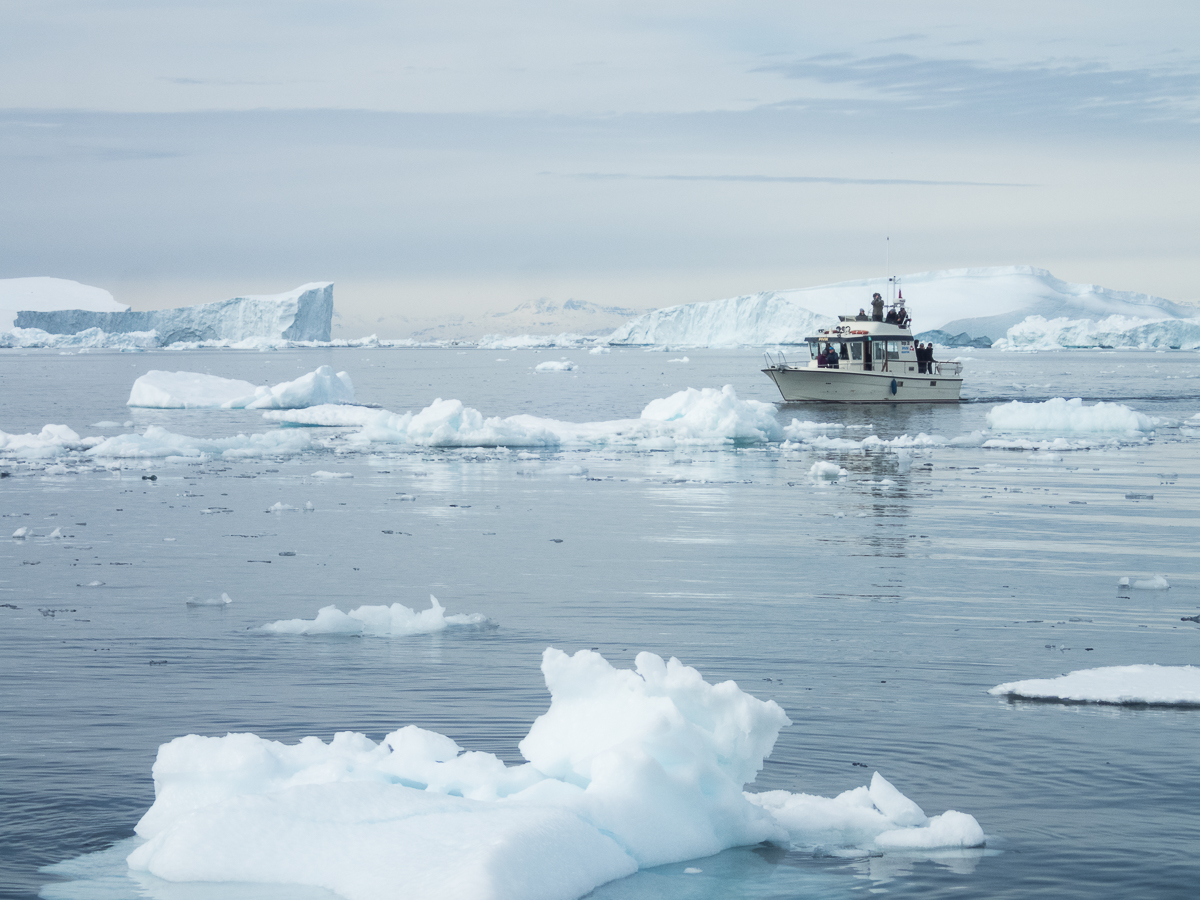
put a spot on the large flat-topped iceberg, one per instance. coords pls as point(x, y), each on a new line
point(48, 294)
point(304, 314)
point(978, 302)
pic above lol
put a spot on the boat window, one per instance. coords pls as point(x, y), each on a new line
point(856, 350)
point(893, 349)
point(812, 349)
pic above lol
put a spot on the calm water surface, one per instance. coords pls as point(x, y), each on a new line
point(877, 616)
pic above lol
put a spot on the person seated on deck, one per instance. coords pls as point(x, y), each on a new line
point(892, 318)
point(902, 316)
point(862, 315)
point(877, 308)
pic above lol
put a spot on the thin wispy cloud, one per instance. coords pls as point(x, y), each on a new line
point(788, 179)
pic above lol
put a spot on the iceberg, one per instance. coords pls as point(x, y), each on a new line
point(304, 314)
point(1146, 685)
point(47, 294)
point(1111, 332)
point(626, 769)
point(960, 307)
point(195, 390)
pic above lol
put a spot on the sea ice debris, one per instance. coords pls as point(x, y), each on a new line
point(1138, 684)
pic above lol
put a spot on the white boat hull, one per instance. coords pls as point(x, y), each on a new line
point(851, 386)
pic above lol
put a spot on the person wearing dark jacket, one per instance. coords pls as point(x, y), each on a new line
point(877, 308)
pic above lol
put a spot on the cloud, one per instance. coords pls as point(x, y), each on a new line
point(791, 179)
point(1057, 94)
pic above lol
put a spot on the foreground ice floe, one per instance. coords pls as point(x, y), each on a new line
point(195, 390)
point(396, 620)
point(158, 442)
point(1068, 416)
point(626, 769)
point(703, 417)
point(1145, 684)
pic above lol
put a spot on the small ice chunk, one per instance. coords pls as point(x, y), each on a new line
point(324, 474)
point(223, 600)
point(1153, 583)
point(556, 365)
point(596, 351)
point(280, 507)
point(21, 533)
point(824, 472)
point(396, 620)
point(56, 533)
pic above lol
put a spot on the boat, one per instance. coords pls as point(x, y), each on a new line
point(866, 359)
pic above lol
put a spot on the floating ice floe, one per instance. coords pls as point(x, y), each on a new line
point(627, 769)
point(330, 415)
point(222, 601)
point(52, 441)
point(1142, 684)
point(324, 474)
point(1069, 416)
point(158, 442)
point(195, 390)
point(396, 620)
point(704, 417)
point(556, 365)
point(823, 472)
point(1153, 583)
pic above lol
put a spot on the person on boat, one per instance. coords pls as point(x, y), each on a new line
point(862, 315)
point(902, 316)
point(866, 356)
point(831, 360)
point(892, 318)
point(877, 308)
point(921, 351)
point(822, 358)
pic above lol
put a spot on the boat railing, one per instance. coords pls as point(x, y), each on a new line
point(947, 368)
point(776, 361)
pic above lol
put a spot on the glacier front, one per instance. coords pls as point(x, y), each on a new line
point(303, 314)
point(972, 306)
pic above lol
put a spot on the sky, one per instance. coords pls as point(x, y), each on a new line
point(461, 157)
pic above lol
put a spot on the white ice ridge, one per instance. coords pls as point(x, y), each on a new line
point(46, 294)
point(303, 314)
point(195, 390)
point(1144, 684)
point(158, 442)
point(700, 417)
point(983, 301)
point(396, 620)
point(626, 769)
point(1069, 416)
point(1124, 332)
point(53, 441)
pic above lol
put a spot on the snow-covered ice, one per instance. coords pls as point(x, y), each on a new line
point(222, 601)
point(627, 769)
point(824, 472)
point(1120, 332)
point(325, 414)
point(396, 620)
point(52, 441)
point(158, 442)
point(1068, 416)
point(1141, 684)
point(302, 314)
point(556, 365)
point(707, 416)
point(1153, 583)
point(45, 294)
point(194, 390)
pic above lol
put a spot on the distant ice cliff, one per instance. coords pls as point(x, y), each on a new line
point(304, 314)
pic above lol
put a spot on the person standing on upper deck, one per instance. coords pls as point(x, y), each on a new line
point(877, 308)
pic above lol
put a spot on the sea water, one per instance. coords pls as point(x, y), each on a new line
point(876, 610)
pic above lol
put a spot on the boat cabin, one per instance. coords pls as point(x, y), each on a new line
point(864, 346)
